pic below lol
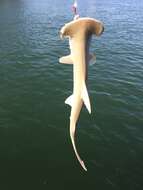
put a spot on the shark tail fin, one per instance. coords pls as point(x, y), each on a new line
point(72, 135)
point(86, 99)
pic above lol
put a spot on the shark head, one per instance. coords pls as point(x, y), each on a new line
point(82, 27)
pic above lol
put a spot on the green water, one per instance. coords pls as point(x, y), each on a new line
point(35, 147)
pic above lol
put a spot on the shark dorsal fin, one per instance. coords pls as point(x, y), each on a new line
point(85, 98)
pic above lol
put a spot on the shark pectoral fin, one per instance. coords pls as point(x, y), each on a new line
point(66, 59)
point(85, 98)
point(92, 59)
point(69, 100)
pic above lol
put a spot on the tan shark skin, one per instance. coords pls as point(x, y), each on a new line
point(79, 33)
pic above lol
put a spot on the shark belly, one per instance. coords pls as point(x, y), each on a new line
point(79, 80)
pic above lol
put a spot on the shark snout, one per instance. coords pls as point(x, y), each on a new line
point(102, 29)
point(62, 32)
point(61, 35)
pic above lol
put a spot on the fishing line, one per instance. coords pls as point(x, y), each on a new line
point(74, 10)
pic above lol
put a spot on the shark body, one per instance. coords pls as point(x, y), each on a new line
point(79, 33)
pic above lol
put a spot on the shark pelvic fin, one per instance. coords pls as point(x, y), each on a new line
point(85, 98)
point(66, 59)
point(69, 100)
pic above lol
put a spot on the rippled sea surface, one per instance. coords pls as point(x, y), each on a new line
point(35, 147)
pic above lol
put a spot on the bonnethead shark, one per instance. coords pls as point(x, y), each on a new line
point(79, 33)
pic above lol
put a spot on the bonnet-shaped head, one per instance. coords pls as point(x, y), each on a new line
point(82, 27)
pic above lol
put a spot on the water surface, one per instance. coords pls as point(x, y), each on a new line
point(35, 147)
